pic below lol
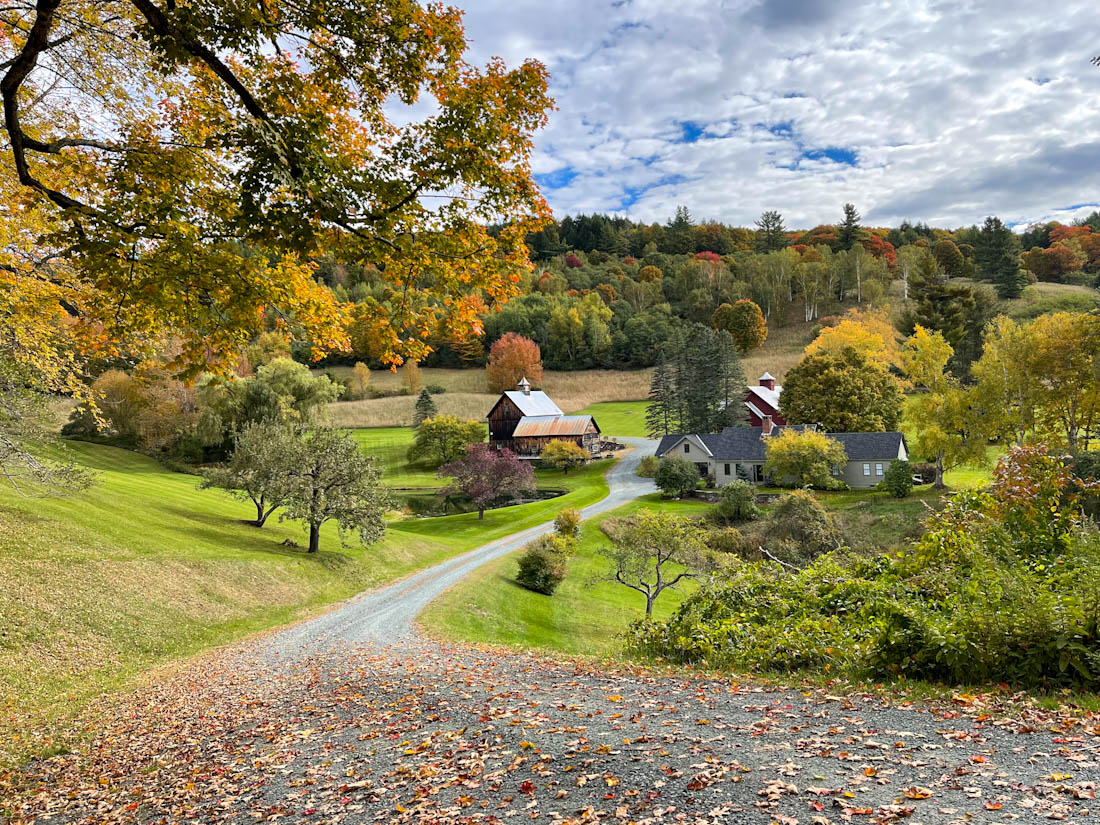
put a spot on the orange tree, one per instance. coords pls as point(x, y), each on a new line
point(174, 167)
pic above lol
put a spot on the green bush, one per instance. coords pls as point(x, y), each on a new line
point(676, 476)
point(799, 528)
point(736, 503)
point(435, 389)
point(544, 563)
point(972, 601)
point(647, 467)
point(898, 480)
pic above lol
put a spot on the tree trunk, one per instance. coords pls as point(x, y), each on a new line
point(649, 606)
point(938, 483)
point(480, 513)
point(260, 517)
point(314, 537)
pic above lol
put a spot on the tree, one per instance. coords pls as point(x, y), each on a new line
point(563, 455)
point(849, 232)
point(841, 393)
point(944, 421)
point(360, 380)
point(544, 563)
point(281, 390)
point(660, 412)
point(511, 358)
point(425, 408)
point(938, 305)
point(737, 503)
point(868, 332)
point(676, 476)
point(410, 377)
point(485, 475)
point(444, 438)
point(329, 479)
point(997, 254)
point(949, 258)
point(808, 457)
point(276, 131)
point(260, 467)
point(1064, 363)
point(651, 552)
point(770, 234)
point(744, 322)
point(898, 480)
point(27, 425)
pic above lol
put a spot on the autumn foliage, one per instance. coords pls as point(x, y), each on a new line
point(511, 358)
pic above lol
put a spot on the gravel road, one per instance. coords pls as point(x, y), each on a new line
point(386, 616)
point(353, 718)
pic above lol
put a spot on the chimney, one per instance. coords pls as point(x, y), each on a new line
point(767, 380)
point(524, 386)
point(766, 426)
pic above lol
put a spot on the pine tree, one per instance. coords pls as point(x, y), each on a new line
point(730, 412)
point(425, 408)
point(658, 414)
point(849, 231)
point(679, 232)
point(997, 253)
point(771, 235)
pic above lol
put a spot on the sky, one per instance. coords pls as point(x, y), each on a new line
point(944, 112)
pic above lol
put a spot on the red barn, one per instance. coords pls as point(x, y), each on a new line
point(763, 401)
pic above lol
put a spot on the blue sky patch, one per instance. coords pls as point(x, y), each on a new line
point(558, 179)
point(837, 154)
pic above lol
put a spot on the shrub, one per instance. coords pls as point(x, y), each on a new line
point(568, 522)
point(544, 563)
point(799, 528)
point(676, 476)
point(924, 469)
point(898, 480)
point(736, 503)
point(732, 542)
point(806, 457)
point(647, 467)
point(564, 455)
point(968, 602)
point(435, 389)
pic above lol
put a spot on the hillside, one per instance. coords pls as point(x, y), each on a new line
point(145, 568)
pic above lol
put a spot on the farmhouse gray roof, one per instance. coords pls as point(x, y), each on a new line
point(747, 444)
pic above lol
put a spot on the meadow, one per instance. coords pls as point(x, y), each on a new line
point(145, 568)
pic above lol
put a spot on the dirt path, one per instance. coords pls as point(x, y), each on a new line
point(353, 718)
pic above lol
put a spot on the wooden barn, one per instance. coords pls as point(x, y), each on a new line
point(525, 420)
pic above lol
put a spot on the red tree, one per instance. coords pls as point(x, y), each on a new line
point(485, 475)
point(511, 358)
point(573, 262)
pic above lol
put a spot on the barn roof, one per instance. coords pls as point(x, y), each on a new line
point(553, 425)
point(537, 403)
point(747, 444)
point(770, 397)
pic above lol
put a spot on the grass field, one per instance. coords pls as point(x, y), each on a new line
point(582, 617)
point(391, 445)
point(626, 418)
point(145, 568)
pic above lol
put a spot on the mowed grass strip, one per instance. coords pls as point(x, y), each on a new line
point(625, 418)
point(586, 616)
point(145, 568)
point(391, 446)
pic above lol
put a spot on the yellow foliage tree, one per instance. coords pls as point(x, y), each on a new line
point(868, 332)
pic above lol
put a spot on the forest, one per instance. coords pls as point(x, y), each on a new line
point(605, 292)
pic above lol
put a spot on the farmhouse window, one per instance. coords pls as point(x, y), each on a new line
point(878, 469)
point(687, 448)
point(867, 469)
point(727, 469)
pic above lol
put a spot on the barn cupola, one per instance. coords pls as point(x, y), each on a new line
point(767, 380)
point(524, 386)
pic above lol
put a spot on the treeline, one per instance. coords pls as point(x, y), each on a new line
point(607, 292)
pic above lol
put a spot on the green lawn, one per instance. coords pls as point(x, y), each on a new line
point(625, 418)
point(145, 568)
point(391, 445)
point(582, 617)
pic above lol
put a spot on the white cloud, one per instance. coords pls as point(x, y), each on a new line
point(954, 110)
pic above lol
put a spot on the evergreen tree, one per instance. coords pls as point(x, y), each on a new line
point(997, 253)
point(936, 304)
point(659, 419)
point(681, 239)
point(425, 408)
point(849, 231)
point(771, 235)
